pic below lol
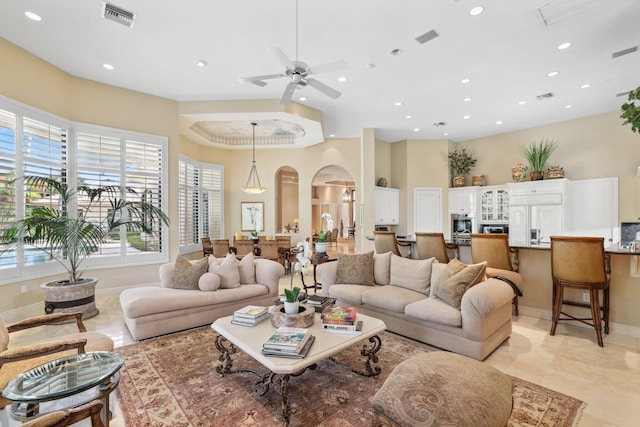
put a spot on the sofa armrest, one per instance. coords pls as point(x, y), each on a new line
point(327, 274)
point(166, 273)
point(483, 309)
point(268, 273)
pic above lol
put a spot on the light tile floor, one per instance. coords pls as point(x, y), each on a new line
point(571, 362)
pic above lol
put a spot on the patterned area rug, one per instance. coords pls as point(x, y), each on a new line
point(172, 381)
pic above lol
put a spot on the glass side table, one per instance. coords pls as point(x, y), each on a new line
point(65, 383)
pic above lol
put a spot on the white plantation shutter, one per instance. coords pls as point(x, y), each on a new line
point(212, 203)
point(7, 174)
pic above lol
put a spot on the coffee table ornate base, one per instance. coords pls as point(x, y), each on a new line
point(281, 381)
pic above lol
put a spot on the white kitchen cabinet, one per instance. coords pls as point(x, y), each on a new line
point(593, 208)
point(463, 200)
point(494, 205)
point(537, 211)
point(386, 206)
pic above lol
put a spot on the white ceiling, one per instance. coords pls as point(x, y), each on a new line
point(506, 51)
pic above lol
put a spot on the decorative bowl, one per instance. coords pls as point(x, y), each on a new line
point(303, 319)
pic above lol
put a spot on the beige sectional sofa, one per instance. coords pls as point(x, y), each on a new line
point(405, 294)
point(161, 308)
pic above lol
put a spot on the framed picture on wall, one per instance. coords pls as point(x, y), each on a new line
point(252, 216)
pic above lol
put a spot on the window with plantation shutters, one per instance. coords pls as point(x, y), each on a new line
point(7, 175)
point(201, 204)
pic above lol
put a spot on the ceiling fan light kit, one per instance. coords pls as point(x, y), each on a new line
point(298, 72)
point(253, 185)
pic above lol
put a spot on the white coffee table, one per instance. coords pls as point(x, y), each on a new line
point(326, 345)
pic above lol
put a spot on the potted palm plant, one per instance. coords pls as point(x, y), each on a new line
point(460, 163)
point(631, 111)
point(69, 239)
point(537, 154)
point(323, 236)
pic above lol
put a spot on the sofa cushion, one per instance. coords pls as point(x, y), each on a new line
point(228, 272)
point(355, 269)
point(434, 310)
point(390, 298)
point(450, 288)
point(247, 270)
point(411, 274)
point(209, 282)
point(381, 267)
point(186, 274)
point(348, 294)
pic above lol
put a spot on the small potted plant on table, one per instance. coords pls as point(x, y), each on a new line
point(291, 303)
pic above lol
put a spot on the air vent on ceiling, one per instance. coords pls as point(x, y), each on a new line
point(544, 96)
point(556, 11)
point(438, 124)
point(117, 14)
point(429, 35)
point(624, 52)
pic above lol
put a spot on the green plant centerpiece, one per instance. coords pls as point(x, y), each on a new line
point(631, 111)
point(460, 163)
point(68, 237)
point(322, 239)
point(537, 154)
point(291, 303)
point(292, 294)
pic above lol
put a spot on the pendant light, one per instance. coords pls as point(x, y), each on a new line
point(253, 185)
point(346, 196)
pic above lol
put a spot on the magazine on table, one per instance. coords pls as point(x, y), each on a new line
point(285, 338)
point(243, 321)
point(339, 315)
point(344, 329)
point(251, 312)
point(291, 354)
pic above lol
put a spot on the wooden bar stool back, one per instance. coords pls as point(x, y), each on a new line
point(581, 263)
point(385, 241)
point(431, 245)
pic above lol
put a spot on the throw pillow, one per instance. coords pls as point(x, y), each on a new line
point(228, 272)
point(186, 275)
point(411, 274)
point(214, 261)
point(451, 289)
point(355, 269)
point(444, 271)
point(381, 266)
point(247, 270)
point(209, 282)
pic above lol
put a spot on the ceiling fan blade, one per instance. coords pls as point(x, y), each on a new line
point(333, 66)
point(330, 92)
point(256, 78)
point(281, 57)
point(288, 93)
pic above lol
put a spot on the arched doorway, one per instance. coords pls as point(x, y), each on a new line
point(287, 213)
point(332, 190)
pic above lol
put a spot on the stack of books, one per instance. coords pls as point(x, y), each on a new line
point(341, 320)
point(319, 302)
point(288, 342)
point(250, 315)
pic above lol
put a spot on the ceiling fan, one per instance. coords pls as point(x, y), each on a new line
point(298, 72)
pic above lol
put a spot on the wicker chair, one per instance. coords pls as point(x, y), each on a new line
point(207, 248)
point(269, 249)
point(433, 245)
point(220, 248)
point(385, 241)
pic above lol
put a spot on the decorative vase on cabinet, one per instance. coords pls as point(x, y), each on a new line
point(458, 181)
point(478, 180)
point(519, 172)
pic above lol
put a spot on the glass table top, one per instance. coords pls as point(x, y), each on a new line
point(63, 377)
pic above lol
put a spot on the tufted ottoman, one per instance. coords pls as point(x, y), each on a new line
point(441, 388)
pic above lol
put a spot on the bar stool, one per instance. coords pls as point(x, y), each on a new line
point(502, 260)
point(433, 245)
point(385, 241)
point(580, 262)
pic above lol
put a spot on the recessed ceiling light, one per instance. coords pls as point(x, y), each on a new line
point(552, 74)
point(201, 62)
point(302, 98)
point(466, 117)
point(33, 16)
point(416, 129)
point(584, 86)
point(332, 135)
point(568, 106)
point(522, 102)
point(564, 45)
point(108, 66)
point(407, 116)
point(467, 99)
point(465, 81)
point(342, 79)
point(396, 52)
point(476, 11)
point(499, 122)
point(446, 134)
point(397, 104)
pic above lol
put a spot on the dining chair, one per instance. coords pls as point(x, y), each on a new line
point(244, 247)
point(220, 247)
point(269, 249)
point(581, 263)
point(14, 361)
point(207, 248)
point(67, 417)
point(433, 245)
point(284, 249)
point(385, 241)
point(502, 260)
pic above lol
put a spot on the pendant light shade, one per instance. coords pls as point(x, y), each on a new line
point(346, 196)
point(253, 185)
